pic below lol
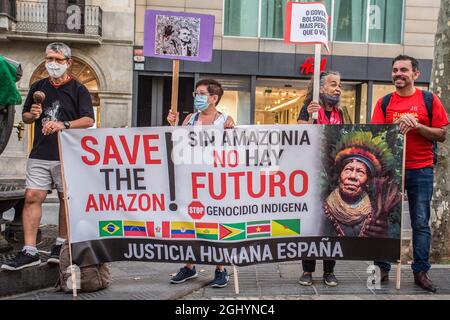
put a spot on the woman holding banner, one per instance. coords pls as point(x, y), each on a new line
point(207, 95)
point(324, 111)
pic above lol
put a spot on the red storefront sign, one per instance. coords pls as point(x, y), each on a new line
point(308, 66)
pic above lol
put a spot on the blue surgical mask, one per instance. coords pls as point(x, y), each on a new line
point(331, 100)
point(201, 102)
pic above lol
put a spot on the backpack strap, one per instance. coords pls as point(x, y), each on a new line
point(428, 99)
point(385, 103)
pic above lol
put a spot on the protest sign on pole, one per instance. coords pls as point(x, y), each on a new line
point(175, 78)
point(399, 261)
point(178, 36)
point(234, 197)
point(307, 23)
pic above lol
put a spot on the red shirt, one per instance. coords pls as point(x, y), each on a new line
point(419, 150)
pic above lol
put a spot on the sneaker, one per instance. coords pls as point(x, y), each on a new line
point(22, 260)
point(184, 274)
point(306, 279)
point(220, 279)
point(330, 279)
point(54, 254)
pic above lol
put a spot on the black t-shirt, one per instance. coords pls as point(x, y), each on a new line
point(304, 115)
point(70, 101)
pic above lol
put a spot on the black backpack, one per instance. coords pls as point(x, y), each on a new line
point(428, 99)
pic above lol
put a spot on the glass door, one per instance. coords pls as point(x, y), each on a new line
point(279, 101)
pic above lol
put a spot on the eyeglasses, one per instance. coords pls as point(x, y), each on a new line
point(194, 94)
point(55, 59)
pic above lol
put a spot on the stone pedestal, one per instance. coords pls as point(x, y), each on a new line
point(4, 245)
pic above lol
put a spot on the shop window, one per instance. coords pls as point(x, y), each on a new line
point(235, 101)
point(385, 25)
point(379, 91)
point(349, 102)
point(279, 101)
point(373, 21)
point(349, 23)
point(241, 18)
point(272, 18)
point(363, 103)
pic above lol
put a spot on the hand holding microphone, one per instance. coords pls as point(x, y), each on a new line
point(36, 108)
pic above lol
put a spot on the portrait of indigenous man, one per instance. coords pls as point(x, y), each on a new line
point(365, 189)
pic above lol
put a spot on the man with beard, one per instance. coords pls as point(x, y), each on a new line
point(422, 118)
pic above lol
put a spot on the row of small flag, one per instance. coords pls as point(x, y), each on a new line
point(200, 230)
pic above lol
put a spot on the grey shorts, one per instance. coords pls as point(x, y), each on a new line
point(42, 174)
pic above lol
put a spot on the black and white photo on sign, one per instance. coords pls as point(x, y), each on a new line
point(178, 36)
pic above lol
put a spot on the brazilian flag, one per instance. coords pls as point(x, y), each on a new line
point(110, 228)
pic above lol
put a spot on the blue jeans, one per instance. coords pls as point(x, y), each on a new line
point(419, 186)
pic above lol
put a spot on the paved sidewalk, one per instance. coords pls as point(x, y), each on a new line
point(280, 281)
point(136, 281)
point(142, 281)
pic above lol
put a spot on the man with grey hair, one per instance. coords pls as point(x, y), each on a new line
point(53, 104)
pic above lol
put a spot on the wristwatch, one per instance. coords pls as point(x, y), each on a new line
point(67, 124)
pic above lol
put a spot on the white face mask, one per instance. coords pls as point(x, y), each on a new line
point(55, 70)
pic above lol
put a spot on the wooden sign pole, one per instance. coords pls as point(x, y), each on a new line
point(236, 279)
point(399, 264)
point(175, 77)
point(398, 276)
point(316, 91)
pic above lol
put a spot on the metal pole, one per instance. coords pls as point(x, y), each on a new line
point(317, 57)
